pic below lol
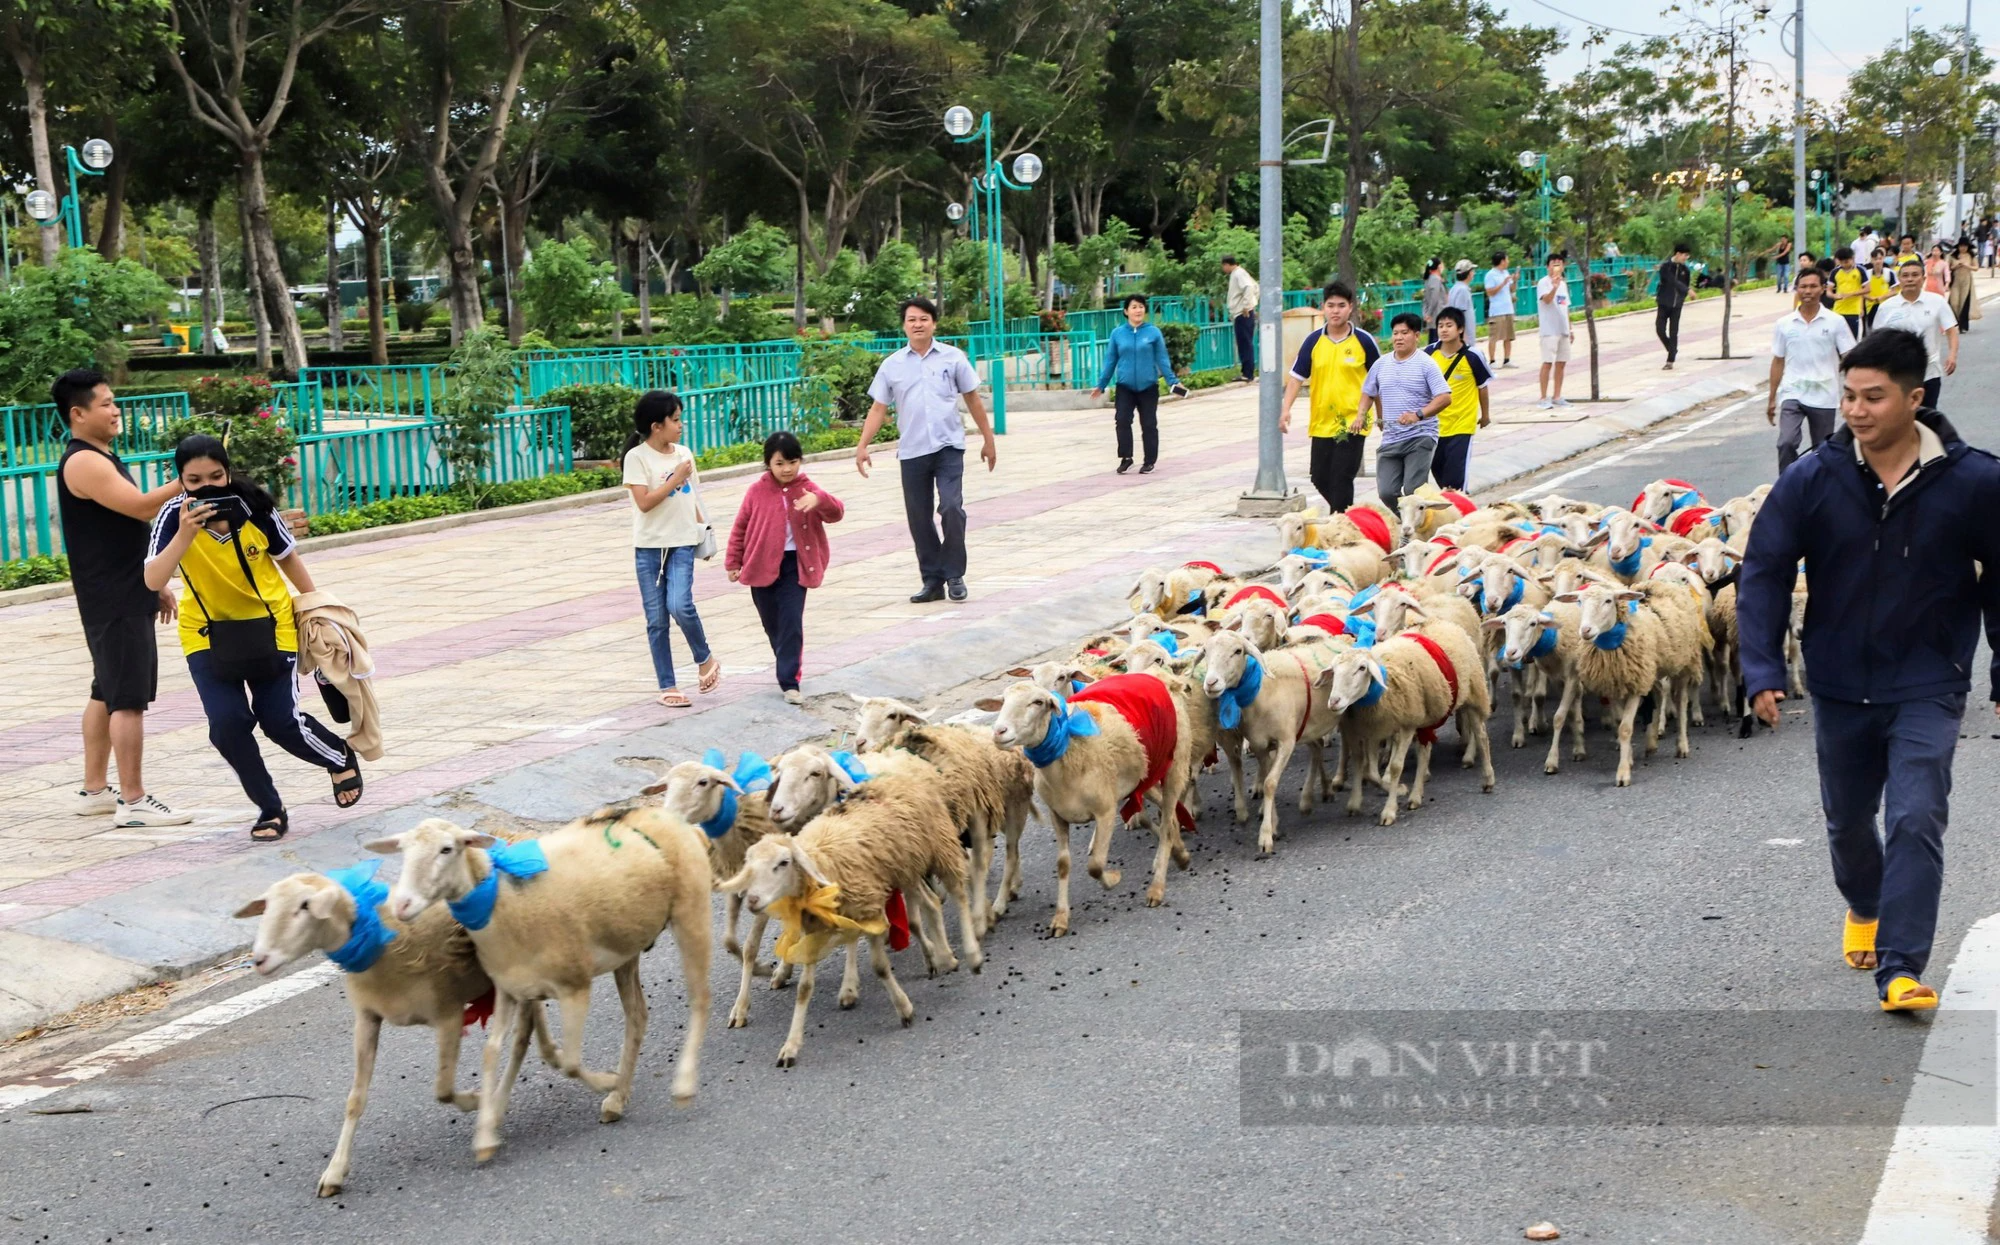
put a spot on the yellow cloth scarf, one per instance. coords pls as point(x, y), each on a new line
point(798, 946)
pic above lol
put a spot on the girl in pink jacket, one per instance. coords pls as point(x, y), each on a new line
point(778, 547)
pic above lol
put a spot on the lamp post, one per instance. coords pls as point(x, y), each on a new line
point(1538, 164)
point(95, 159)
point(985, 204)
point(1824, 191)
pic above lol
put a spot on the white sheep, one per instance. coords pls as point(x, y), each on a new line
point(1620, 660)
point(1544, 639)
point(1170, 592)
point(1681, 600)
point(1092, 770)
point(1356, 565)
point(829, 883)
point(1661, 499)
point(609, 885)
point(420, 973)
point(1265, 703)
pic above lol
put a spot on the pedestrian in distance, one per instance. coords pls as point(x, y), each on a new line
point(1501, 282)
point(1433, 294)
point(778, 548)
point(1135, 360)
point(1892, 518)
point(1937, 270)
point(1881, 284)
point(1241, 300)
point(1915, 309)
point(1864, 245)
point(225, 540)
point(104, 518)
point(1332, 364)
point(1964, 274)
point(1552, 327)
point(669, 529)
point(923, 382)
point(1850, 289)
point(1806, 347)
point(1670, 294)
point(1460, 296)
point(1410, 391)
point(1468, 374)
point(1781, 264)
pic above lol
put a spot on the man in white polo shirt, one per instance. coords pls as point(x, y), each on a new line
point(923, 382)
point(1805, 368)
point(1928, 315)
point(1552, 326)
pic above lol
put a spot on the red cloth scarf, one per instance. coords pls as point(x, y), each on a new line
point(1373, 526)
point(1450, 552)
point(1679, 484)
point(1327, 623)
point(1464, 504)
point(1255, 592)
point(1202, 566)
point(1144, 703)
point(898, 917)
point(1428, 735)
point(479, 1010)
point(1682, 521)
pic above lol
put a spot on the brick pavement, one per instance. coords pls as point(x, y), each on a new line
point(515, 641)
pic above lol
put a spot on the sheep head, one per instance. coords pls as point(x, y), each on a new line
point(1292, 570)
point(1418, 555)
point(1149, 591)
point(300, 914)
point(693, 791)
point(1226, 654)
point(805, 781)
point(1141, 626)
point(1656, 501)
point(774, 868)
point(1321, 582)
point(1395, 610)
point(1349, 676)
point(437, 864)
point(1599, 607)
point(1620, 532)
point(1423, 515)
point(880, 721)
point(1258, 621)
point(1521, 629)
point(1572, 573)
point(1711, 558)
point(1025, 714)
point(1498, 577)
point(1292, 528)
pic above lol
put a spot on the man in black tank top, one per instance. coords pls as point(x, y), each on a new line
point(105, 524)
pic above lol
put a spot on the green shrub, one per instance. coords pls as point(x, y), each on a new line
point(482, 386)
point(564, 285)
point(411, 317)
point(237, 409)
point(1211, 379)
point(26, 572)
point(1181, 341)
point(600, 416)
point(844, 368)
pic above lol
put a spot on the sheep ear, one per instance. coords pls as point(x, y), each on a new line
point(1597, 538)
point(323, 902)
point(841, 781)
point(808, 866)
point(384, 847)
point(737, 881)
point(991, 704)
point(1020, 672)
point(1235, 623)
point(1366, 607)
point(254, 908)
point(1630, 594)
point(473, 838)
point(658, 788)
point(1494, 624)
point(1375, 670)
point(1571, 597)
point(860, 702)
point(729, 782)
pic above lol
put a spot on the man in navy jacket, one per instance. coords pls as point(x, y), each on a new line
point(1892, 516)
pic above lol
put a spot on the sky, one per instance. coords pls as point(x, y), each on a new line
point(1840, 34)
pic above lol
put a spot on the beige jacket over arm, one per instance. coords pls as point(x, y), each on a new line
point(331, 644)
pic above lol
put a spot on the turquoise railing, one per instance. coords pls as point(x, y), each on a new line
point(732, 414)
point(37, 434)
point(366, 394)
point(679, 368)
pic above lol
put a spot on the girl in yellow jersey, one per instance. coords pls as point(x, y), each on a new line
point(1881, 284)
point(237, 632)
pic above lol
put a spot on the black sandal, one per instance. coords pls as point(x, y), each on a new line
point(271, 829)
point(352, 783)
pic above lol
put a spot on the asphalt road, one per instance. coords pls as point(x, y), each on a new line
point(1087, 1088)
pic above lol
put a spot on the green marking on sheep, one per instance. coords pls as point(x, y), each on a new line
point(617, 843)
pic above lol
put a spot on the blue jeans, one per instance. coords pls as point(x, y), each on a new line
point(1896, 758)
point(666, 586)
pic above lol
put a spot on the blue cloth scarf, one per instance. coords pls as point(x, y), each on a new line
point(1513, 595)
point(1608, 640)
point(519, 861)
point(1229, 705)
point(851, 766)
point(1543, 646)
point(1629, 564)
point(1064, 724)
point(369, 937)
point(1375, 689)
point(753, 773)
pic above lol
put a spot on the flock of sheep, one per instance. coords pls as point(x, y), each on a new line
point(1379, 629)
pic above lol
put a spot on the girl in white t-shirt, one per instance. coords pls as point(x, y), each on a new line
point(667, 524)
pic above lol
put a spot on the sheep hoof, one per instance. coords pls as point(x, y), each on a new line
point(1181, 858)
point(1388, 818)
point(761, 969)
point(463, 1101)
point(787, 1059)
point(613, 1109)
point(977, 963)
point(1682, 750)
point(1549, 767)
point(1487, 787)
point(1058, 926)
point(328, 1186)
point(1155, 898)
point(683, 1095)
point(847, 1001)
point(738, 1022)
point(1110, 878)
point(483, 1152)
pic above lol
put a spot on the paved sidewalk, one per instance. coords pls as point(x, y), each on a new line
point(514, 676)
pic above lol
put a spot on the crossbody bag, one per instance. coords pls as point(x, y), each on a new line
point(240, 649)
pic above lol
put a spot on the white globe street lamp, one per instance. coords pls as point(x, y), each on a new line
point(96, 154)
point(954, 212)
point(1565, 183)
point(1742, 186)
point(42, 205)
point(1527, 159)
point(1027, 168)
point(958, 121)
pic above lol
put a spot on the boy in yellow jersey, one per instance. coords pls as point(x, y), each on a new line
point(1881, 283)
point(1466, 371)
point(1850, 289)
point(237, 629)
point(1333, 361)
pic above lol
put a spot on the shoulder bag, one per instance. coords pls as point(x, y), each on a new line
point(241, 650)
point(705, 547)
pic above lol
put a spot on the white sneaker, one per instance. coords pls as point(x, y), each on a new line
point(94, 803)
point(1545, 405)
point(793, 696)
point(1562, 401)
point(149, 811)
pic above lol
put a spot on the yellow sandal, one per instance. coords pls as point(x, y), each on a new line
point(1857, 938)
point(1907, 994)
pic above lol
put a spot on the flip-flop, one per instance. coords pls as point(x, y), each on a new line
point(1857, 938)
point(711, 674)
point(351, 783)
point(277, 827)
point(1907, 994)
point(674, 698)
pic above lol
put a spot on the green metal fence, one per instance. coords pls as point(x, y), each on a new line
point(679, 368)
point(37, 434)
point(366, 394)
point(732, 414)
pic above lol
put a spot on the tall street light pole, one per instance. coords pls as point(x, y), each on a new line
point(95, 159)
point(1798, 25)
point(1958, 179)
point(1270, 494)
point(986, 187)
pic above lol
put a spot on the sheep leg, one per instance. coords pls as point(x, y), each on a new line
point(1315, 761)
point(1354, 752)
point(1627, 712)
point(788, 1054)
point(1270, 769)
point(449, 1029)
point(367, 1038)
point(1399, 750)
point(1686, 690)
point(1232, 752)
point(981, 862)
point(1423, 777)
point(1010, 874)
point(1564, 705)
point(1662, 701)
point(494, 1089)
point(1327, 784)
point(731, 911)
point(781, 975)
point(691, 938)
point(739, 1012)
point(1524, 716)
point(931, 929)
point(850, 978)
point(1100, 848)
point(574, 1003)
point(633, 999)
point(1485, 758)
point(878, 954)
point(1059, 923)
point(968, 931)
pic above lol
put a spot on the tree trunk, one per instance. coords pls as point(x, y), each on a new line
point(211, 276)
point(799, 267)
point(1050, 302)
point(333, 309)
point(514, 238)
point(643, 279)
point(111, 233)
point(254, 288)
point(29, 61)
point(283, 318)
point(378, 319)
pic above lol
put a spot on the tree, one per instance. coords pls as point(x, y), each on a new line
point(1928, 114)
point(70, 314)
point(757, 260)
point(237, 64)
point(1088, 266)
point(564, 285)
point(1596, 198)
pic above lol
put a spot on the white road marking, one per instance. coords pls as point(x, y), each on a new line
point(1937, 1187)
point(1783, 842)
point(154, 1040)
point(563, 730)
point(1622, 455)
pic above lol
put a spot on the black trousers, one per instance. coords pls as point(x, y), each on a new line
point(1933, 390)
point(235, 708)
point(1146, 402)
point(781, 607)
point(936, 478)
point(1246, 345)
point(1335, 463)
point(1667, 326)
point(1449, 461)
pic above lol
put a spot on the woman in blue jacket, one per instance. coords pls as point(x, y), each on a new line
point(1137, 359)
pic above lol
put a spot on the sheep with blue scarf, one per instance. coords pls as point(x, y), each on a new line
point(1543, 639)
point(583, 900)
point(1620, 660)
point(1718, 563)
point(1265, 703)
point(1675, 592)
point(423, 972)
point(1630, 547)
point(732, 808)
